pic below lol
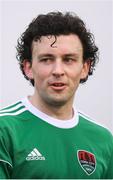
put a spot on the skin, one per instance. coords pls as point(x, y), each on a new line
point(56, 69)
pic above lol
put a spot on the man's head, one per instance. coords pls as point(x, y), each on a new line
point(56, 24)
point(57, 68)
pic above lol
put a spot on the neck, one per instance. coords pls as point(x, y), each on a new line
point(63, 112)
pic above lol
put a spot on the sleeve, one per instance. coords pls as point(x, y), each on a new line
point(5, 170)
point(109, 174)
point(5, 158)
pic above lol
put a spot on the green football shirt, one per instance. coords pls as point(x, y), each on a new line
point(34, 145)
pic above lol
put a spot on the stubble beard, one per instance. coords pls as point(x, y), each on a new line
point(56, 100)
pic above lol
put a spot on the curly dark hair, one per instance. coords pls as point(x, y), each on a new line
point(57, 23)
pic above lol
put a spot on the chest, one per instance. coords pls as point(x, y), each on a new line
point(51, 154)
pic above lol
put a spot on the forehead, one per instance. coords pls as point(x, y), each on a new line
point(63, 43)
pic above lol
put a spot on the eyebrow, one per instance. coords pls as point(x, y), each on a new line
point(65, 55)
point(45, 55)
point(72, 55)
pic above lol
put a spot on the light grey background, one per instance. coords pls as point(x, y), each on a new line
point(95, 97)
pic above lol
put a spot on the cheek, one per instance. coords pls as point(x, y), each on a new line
point(75, 77)
point(40, 74)
point(75, 73)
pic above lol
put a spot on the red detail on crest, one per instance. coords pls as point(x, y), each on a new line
point(86, 156)
point(87, 161)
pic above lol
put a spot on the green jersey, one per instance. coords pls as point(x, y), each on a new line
point(34, 145)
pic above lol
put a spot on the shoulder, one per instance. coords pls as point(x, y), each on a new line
point(95, 129)
point(11, 112)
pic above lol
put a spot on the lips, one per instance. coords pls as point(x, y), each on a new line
point(57, 85)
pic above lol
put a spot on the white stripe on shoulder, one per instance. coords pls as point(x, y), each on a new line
point(6, 162)
point(12, 108)
point(87, 117)
point(12, 104)
point(14, 113)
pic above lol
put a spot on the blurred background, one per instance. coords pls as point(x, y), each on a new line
point(94, 98)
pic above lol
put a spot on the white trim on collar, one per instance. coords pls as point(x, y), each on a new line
point(55, 122)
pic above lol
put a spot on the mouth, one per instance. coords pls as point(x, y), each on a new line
point(58, 85)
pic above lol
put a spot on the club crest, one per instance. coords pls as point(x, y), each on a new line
point(87, 161)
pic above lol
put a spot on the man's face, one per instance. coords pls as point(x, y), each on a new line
point(57, 67)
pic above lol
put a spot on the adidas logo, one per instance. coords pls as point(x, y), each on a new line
point(35, 155)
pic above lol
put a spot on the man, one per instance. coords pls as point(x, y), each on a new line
point(43, 136)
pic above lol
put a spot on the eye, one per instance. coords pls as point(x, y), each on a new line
point(46, 60)
point(68, 60)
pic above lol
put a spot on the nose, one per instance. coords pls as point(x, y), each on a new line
point(58, 69)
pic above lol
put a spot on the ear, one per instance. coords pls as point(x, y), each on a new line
point(85, 69)
point(27, 67)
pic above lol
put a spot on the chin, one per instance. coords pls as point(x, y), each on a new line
point(56, 102)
